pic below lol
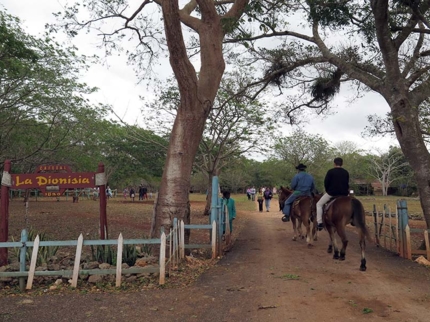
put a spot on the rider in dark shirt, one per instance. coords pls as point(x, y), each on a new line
point(336, 183)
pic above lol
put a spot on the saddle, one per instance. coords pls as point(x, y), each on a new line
point(296, 203)
point(329, 204)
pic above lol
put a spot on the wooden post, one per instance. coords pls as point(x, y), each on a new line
point(77, 261)
point(397, 231)
point(4, 211)
point(391, 229)
point(375, 223)
point(163, 258)
point(426, 239)
point(182, 240)
point(170, 249)
point(22, 258)
point(103, 202)
point(33, 263)
point(119, 260)
point(382, 225)
point(408, 242)
point(213, 239)
point(175, 242)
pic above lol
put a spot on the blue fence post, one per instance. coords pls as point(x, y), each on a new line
point(403, 221)
point(22, 255)
point(214, 200)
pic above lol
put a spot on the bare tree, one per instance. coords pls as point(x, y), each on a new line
point(385, 168)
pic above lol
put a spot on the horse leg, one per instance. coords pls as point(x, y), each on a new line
point(308, 233)
point(342, 235)
point(363, 249)
point(293, 221)
point(330, 247)
point(299, 228)
point(333, 243)
point(314, 229)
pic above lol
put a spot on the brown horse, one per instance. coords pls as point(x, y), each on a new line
point(342, 211)
point(304, 211)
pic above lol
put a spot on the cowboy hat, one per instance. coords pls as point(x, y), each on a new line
point(301, 166)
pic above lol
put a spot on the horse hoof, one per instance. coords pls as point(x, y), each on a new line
point(330, 250)
point(310, 245)
point(342, 258)
point(363, 268)
point(294, 238)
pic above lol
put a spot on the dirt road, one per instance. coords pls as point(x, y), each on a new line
point(266, 277)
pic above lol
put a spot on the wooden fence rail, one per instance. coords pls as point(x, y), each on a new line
point(36, 244)
point(398, 232)
point(174, 241)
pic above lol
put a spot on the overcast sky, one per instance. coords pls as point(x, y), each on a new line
point(118, 84)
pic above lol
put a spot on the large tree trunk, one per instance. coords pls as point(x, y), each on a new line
point(208, 197)
point(404, 109)
point(197, 96)
point(408, 132)
point(175, 184)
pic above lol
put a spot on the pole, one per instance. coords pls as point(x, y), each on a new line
point(103, 216)
point(214, 200)
point(4, 211)
point(22, 255)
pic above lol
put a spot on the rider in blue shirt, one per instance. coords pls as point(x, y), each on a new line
point(303, 185)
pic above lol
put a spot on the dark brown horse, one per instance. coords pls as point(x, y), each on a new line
point(304, 211)
point(342, 211)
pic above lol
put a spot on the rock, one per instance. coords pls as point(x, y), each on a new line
point(95, 278)
point(27, 301)
point(83, 277)
point(104, 266)
point(54, 267)
point(131, 279)
point(91, 265)
point(13, 267)
point(6, 279)
point(58, 281)
point(41, 268)
point(53, 287)
point(3, 268)
point(125, 266)
point(423, 261)
point(141, 262)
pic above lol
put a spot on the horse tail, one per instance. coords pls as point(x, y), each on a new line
point(359, 217)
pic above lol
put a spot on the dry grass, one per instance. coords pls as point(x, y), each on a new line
point(413, 204)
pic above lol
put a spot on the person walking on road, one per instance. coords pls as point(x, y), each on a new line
point(260, 200)
point(268, 195)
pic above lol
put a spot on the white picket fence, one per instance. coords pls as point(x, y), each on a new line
point(176, 246)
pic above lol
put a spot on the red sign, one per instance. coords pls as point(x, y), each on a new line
point(53, 184)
